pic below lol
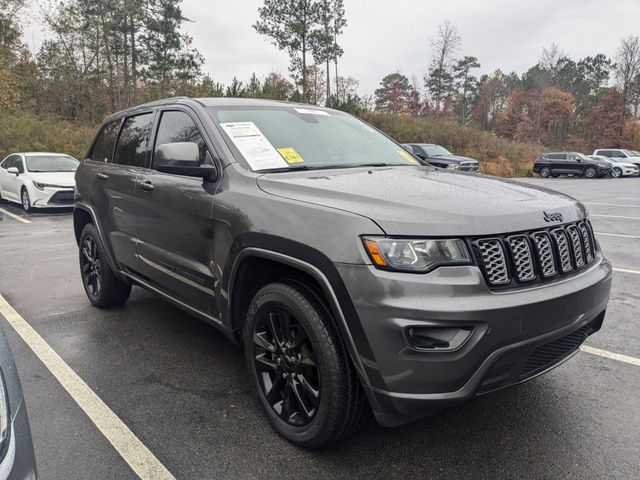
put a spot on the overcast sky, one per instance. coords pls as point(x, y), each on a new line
point(388, 36)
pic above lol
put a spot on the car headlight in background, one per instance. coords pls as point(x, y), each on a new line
point(453, 166)
point(419, 255)
point(5, 418)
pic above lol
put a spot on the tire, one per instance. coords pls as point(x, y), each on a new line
point(25, 200)
point(616, 173)
point(545, 172)
point(332, 406)
point(590, 172)
point(555, 175)
point(102, 287)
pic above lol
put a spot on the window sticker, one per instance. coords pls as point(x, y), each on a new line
point(408, 157)
point(309, 111)
point(290, 155)
point(253, 145)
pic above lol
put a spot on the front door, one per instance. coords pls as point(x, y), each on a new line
point(175, 233)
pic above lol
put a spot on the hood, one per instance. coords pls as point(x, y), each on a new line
point(422, 201)
point(62, 179)
point(454, 158)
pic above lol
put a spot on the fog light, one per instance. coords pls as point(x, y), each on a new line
point(441, 339)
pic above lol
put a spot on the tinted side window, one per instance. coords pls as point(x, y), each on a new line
point(178, 127)
point(618, 154)
point(557, 156)
point(19, 164)
point(606, 153)
point(133, 142)
point(103, 148)
point(8, 162)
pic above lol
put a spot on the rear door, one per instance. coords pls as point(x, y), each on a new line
point(174, 222)
point(116, 161)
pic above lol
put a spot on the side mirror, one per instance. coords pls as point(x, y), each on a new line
point(13, 170)
point(579, 160)
point(182, 158)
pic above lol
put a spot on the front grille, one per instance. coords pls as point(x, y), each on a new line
point(535, 256)
point(469, 166)
point(494, 261)
point(63, 197)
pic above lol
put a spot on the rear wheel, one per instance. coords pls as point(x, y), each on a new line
point(26, 201)
point(616, 173)
point(305, 383)
point(545, 172)
point(590, 172)
point(102, 287)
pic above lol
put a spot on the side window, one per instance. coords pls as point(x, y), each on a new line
point(103, 148)
point(572, 157)
point(606, 153)
point(8, 162)
point(133, 142)
point(556, 156)
point(417, 150)
point(178, 127)
point(19, 164)
point(618, 154)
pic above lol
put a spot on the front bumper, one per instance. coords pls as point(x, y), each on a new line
point(51, 197)
point(410, 383)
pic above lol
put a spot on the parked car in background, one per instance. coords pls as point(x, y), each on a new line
point(17, 460)
point(554, 164)
point(439, 156)
point(354, 277)
point(38, 179)
point(629, 156)
point(619, 168)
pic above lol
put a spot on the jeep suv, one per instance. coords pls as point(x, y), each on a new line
point(356, 279)
point(570, 163)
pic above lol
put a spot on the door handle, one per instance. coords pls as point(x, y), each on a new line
point(145, 185)
point(102, 176)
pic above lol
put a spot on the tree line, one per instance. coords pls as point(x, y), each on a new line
point(100, 56)
point(558, 102)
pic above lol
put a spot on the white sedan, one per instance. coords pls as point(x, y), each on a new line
point(38, 180)
point(618, 168)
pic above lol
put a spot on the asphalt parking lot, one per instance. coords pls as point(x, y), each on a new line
point(181, 387)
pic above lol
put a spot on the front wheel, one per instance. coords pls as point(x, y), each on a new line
point(590, 172)
point(26, 201)
point(305, 383)
point(616, 173)
point(102, 287)
point(545, 172)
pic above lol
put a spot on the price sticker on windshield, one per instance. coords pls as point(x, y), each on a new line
point(408, 157)
point(290, 155)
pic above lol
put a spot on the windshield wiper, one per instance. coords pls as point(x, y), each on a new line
point(326, 167)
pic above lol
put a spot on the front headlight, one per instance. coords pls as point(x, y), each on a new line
point(453, 166)
point(39, 186)
point(5, 418)
point(419, 255)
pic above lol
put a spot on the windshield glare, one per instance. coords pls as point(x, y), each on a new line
point(435, 150)
point(51, 163)
point(283, 138)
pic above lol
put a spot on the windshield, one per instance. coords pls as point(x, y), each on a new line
point(582, 156)
point(51, 163)
point(289, 138)
point(629, 153)
point(435, 150)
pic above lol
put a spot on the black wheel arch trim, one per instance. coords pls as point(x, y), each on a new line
point(319, 267)
point(94, 220)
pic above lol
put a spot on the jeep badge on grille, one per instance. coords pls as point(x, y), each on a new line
point(552, 217)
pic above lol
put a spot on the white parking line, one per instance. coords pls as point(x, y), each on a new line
point(624, 270)
point(14, 216)
point(612, 205)
point(611, 355)
point(133, 451)
point(617, 235)
point(615, 216)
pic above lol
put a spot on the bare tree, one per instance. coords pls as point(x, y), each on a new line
point(439, 80)
point(628, 65)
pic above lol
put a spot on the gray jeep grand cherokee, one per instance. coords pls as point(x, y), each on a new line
point(356, 279)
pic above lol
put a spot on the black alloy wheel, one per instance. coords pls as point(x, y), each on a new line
point(545, 172)
point(590, 172)
point(90, 266)
point(286, 365)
